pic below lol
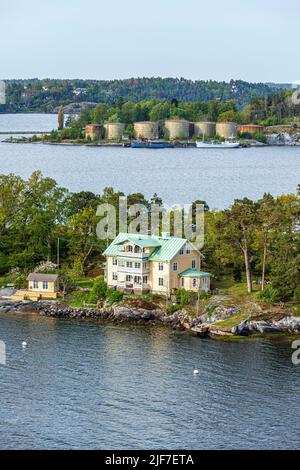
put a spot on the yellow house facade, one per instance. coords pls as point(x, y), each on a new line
point(145, 263)
point(43, 285)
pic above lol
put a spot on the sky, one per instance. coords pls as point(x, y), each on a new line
point(256, 41)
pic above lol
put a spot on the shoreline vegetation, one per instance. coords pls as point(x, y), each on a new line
point(268, 119)
point(252, 248)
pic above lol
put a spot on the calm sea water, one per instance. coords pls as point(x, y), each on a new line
point(85, 385)
point(177, 175)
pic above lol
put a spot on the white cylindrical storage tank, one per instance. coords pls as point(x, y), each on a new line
point(114, 130)
point(177, 129)
point(227, 129)
point(146, 130)
point(206, 128)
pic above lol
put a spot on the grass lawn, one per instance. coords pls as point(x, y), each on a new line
point(227, 286)
point(78, 299)
point(234, 320)
point(85, 282)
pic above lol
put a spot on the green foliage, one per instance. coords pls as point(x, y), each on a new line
point(99, 291)
point(269, 294)
point(34, 213)
point(46, 95)
point(173, 308)
point(114, 296)
point(21, 282)
point(184, 297)
point(296, 296)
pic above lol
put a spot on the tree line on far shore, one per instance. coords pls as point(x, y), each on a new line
point(272, 110)
point(254, 241)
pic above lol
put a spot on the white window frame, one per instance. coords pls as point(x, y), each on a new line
point(175, 266)
point(35, 284)
point(145, 279)
point(160, 266)
point(182, 282)
point(128, 278)
point(181, 252)
point(194, 282)
point(128, 264)
point(45, 285)
point(161, 281)
point(114, 276)
point(188, 250)
point(194, 264)
point(115, 262)
point(137, 265)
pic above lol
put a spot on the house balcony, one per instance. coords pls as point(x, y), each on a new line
point(133, 271)
point(133, 286)
point(131, 254)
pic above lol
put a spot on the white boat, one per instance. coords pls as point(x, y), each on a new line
point(217, 145)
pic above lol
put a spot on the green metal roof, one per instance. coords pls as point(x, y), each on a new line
point(166, 247)
point(139, 240)
point(194, 273)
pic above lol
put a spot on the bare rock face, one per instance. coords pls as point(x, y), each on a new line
point(287, 324)
point(220, 312)
point(283, 138)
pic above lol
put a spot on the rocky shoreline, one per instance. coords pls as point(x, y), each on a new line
point(219, 324)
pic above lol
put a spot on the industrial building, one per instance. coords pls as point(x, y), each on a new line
point(250, 129)
point(177, 129)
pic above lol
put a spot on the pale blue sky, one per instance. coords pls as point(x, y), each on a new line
point(251, 40)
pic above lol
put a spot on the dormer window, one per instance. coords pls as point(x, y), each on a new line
point(181, 252)
point(137, 249)
point(129, 248)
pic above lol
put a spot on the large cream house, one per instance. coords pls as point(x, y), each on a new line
point(145, 263)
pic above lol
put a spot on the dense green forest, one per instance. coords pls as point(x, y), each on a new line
point(250, 240)
point(48, 94)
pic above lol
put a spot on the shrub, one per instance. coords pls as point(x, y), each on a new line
point(184, 297)
point(21, 281)
point(173, 308)
point(114, 296)
point(269, 294)
point(99, 291)
point(296, 297)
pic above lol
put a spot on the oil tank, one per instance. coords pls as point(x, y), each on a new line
point(114, 130)
point(226, 129)
point(93, 131)
point(206, 128)
point(146, 130)
point(177, 129)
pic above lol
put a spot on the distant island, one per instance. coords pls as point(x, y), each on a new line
point(47, 95)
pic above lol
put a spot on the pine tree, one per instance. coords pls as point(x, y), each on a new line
point(61, 118)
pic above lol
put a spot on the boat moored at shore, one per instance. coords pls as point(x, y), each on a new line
point(218, 145)
point(151, 144)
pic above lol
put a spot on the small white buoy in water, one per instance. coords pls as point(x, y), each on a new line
point(24, 344)
point(196, 371)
